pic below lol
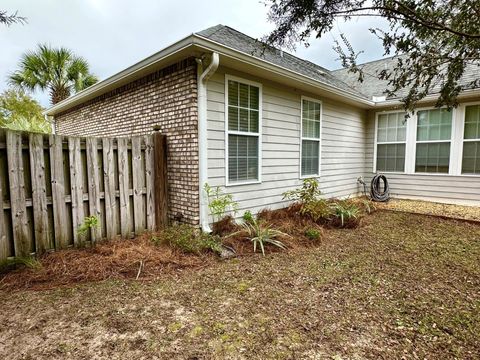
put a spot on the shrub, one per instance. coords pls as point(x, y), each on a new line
point(308, 193)
point(346, 211)
point(318, 210)
point(312, 233)
point(261, 234)
point(218, 202)
point(224, 226)
point(188, 239)
point(248, 217)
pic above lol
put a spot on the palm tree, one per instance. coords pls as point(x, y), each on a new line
point(58, 71)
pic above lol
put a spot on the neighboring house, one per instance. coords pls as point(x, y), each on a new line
point(257, 121)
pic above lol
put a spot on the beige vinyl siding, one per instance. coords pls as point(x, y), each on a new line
point(342, 144)
point(463, 189)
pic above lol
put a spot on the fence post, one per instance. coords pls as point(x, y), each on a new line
point(160, 179)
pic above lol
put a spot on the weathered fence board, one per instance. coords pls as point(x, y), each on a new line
point(39, 193)
point(21, 236)
point(110, 202)
point(161, 198)
point(93, 185)
point(58, 191)
point(53, 183)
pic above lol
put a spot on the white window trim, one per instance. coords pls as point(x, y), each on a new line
point(230, 132)
point(389, 142)
point(312, 139)
point(456, 142)
point(461, 140)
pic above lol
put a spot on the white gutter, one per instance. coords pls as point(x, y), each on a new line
point(202, 78)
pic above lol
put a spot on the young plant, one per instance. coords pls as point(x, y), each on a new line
point(90, 222)
point(188, 239)
point(308, 193)
point(219, 203)
point(345, 210)
point(248, 217)
point(260, 235)
point(12, 263)
point(312, 233)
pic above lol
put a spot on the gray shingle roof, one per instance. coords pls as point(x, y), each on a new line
point(373, 86)
point(342, 78)
point(246, 44)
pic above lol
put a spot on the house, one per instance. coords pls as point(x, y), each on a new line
point(257, 121)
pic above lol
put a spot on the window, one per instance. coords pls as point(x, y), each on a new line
point(310, 138)
point(471, 141)
point(243, 131)
point(391, 140)
point(434, 132)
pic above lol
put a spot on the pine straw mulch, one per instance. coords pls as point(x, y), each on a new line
point(471, 213)
point(140, 258)
point(116, 259)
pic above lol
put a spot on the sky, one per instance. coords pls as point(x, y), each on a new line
point(114, 34)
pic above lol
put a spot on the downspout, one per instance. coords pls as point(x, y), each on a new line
point(202, 78)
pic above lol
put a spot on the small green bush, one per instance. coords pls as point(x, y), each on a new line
point(188, 239)
point(248, 217)
point(219, 203)
point(90, 222)
point(312, 234)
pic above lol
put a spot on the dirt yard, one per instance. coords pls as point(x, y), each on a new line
point(400, 286)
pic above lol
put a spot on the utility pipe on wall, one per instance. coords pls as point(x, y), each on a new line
point(202, 78)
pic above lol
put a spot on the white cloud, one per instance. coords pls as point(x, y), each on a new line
point(114, 34)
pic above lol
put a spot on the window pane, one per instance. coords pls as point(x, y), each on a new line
point(472, 122)
point(311, 119)
point(310, 157)
point(254, 97)
point(232, 118)
point(243, 120)
point(432, 158)
point(232, 93)
point(391, 127)
point(391, 157)
point(434, 125)
point(471, 157)
point(242, 158)
point(243, 95)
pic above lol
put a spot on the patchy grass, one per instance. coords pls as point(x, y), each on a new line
point(399, 286)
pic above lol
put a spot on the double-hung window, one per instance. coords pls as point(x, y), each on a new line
point(471, 140)
point(434, 135)
point(310, 151)
point(391, 141)
point(243, 131)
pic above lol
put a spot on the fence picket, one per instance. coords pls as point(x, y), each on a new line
point(109, 177)
point(39, 193)
point(76, 186)
point(21, 236)
point(3, 234)
point(58, 191)
point(149, 182)
point(123, 187)
point(138, 185)
point(93, 186)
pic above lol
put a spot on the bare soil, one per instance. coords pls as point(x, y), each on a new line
point(399, 286)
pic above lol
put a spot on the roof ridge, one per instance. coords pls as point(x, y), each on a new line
point(369, 62)
point(275, 48)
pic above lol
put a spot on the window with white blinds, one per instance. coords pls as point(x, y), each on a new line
point(243, 130)
point(471, 140)
point(391, 140)
point(310, 137)
point(434, 136)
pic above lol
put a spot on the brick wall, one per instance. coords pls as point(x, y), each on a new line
point(167, 98)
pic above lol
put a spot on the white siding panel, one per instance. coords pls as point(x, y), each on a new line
point(343, 145)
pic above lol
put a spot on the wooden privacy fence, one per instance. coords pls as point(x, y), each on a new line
point(50, 184)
